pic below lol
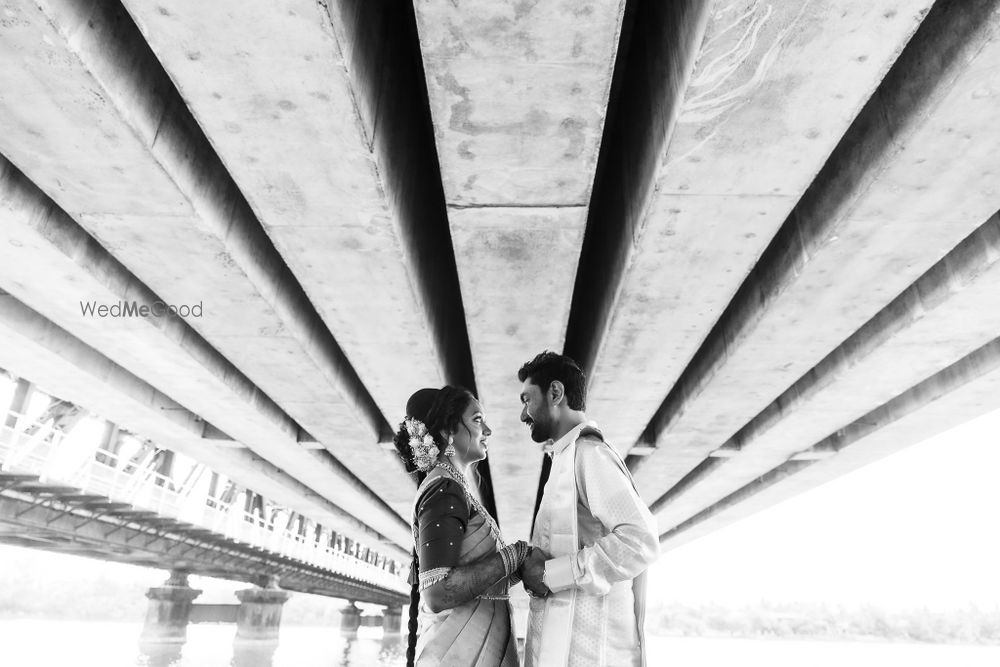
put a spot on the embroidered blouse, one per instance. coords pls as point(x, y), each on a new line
point(441, 520)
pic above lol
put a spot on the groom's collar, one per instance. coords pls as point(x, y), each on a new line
point(553, 447)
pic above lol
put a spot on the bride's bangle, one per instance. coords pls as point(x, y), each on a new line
point(513, 556)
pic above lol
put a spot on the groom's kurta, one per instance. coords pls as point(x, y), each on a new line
point(602, 538)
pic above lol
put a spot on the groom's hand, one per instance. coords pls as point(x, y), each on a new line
point(532, 571)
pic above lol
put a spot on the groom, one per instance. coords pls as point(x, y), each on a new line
point(594, 538)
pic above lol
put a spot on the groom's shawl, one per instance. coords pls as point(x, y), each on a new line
point(577, 569)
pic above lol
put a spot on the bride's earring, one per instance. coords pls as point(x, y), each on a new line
point(450, 449)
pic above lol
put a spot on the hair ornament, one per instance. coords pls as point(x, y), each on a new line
point(425, 452)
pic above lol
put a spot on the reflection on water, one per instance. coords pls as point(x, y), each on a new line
point(159, 656)
point(30, 643)
point(48, 643)
point(313, 647)
point(253, 655)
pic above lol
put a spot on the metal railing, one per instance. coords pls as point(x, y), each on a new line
point(40, 449)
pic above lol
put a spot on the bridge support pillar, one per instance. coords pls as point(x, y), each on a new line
point(259, 617)
point(392, 620)
point(350, 619)
point(168, 611)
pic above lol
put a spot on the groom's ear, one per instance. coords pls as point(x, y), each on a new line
point(556, 391)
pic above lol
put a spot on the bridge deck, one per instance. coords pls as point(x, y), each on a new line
point(53, 518)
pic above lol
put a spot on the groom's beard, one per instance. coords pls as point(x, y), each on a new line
point(540, 431)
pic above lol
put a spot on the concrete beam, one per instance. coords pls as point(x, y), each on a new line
point(949, 312)
point(865, 229)
point(337, 215)
point(262, 320)
point(62, 365)
point(52, 265)
point(965, 390)
point(518, 93)
point(727, 112)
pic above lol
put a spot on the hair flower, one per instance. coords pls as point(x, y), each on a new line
point(425, 452)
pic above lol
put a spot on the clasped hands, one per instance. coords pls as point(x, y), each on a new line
point(532, 571)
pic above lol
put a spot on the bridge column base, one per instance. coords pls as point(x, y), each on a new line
point(350, 619)
point(392, 620)
point(168, 611)
point(259, 616)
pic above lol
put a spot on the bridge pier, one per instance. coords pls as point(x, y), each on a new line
point(259, 616)
point(350, 619)
point(168, 611)
point(392, 620)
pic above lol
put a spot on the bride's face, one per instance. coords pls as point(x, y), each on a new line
point(471, 434)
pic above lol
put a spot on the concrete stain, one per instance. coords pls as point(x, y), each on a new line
point(454, 44)
point(526, 44)
point(511, 247)
point(286, 105)
point(535, 123)
point(573, 129)
point(523, 8)
point(464, 152)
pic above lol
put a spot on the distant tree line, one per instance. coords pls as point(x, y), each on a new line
point(968, 626)
point(119, 595)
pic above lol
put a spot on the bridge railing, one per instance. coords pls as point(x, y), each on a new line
point(40, 449)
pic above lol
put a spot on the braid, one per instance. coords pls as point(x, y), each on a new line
point(411, 638)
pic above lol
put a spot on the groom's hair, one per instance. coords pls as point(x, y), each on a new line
point(548, 367)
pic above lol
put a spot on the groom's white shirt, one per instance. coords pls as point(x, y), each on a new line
point(602, 538)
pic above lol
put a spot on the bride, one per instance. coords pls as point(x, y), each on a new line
point(462, 567)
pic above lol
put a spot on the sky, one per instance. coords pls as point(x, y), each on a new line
point(917, 529)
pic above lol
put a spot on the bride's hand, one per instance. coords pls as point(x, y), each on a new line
point(533, 571)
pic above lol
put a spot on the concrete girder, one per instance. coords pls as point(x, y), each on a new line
point(518, 95)
point(774, 88)
point(263, 321)
point(316, 189)
point(34, 347)
point(948, 313)
point(45, 253)
point(855, 229)
point(515, 303)
point(965, 390)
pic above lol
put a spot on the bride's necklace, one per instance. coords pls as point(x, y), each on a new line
point(476, 505)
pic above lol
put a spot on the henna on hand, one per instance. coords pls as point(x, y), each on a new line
point(465, 583)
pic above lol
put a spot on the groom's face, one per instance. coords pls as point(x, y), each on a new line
point(536, 412)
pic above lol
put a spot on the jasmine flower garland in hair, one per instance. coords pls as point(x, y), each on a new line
point(425, 452)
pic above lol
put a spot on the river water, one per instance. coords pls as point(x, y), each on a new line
point(46, 643)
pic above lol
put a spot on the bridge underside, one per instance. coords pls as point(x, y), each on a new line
point(767, 230)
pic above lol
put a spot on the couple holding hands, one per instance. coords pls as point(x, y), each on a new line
point(592, 538)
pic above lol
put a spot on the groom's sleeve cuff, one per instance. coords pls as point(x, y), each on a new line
point(559, 574)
